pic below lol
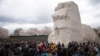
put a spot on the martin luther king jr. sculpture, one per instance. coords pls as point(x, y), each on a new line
point(68, 27)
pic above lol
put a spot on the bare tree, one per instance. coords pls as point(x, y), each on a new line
point(17, 31)
point(3, 33)
point(32, 31)
point(46, 31)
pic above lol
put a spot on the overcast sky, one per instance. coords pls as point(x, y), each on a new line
point(37, 13)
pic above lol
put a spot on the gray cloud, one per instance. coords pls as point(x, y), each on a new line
point(97, 15)
point(34, 12)
point(27, 12)
point(6, 19)
point(92, 13)
point(94, 2)
point(41, 19)
point(1, 0)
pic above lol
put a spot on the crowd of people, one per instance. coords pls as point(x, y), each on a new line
point(37, 48)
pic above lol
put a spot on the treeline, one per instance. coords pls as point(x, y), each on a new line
point(4, 32)
point(24, 38)
point(28, 36)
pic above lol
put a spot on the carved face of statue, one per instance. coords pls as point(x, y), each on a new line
point(60, 14)
point(62, 10)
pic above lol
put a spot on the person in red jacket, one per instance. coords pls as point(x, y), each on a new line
point(41, 48)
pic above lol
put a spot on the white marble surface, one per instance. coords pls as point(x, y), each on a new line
point(67, 25)
point(89, 34)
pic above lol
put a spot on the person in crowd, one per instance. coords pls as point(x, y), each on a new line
point(38, 48)
point(53, 49)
